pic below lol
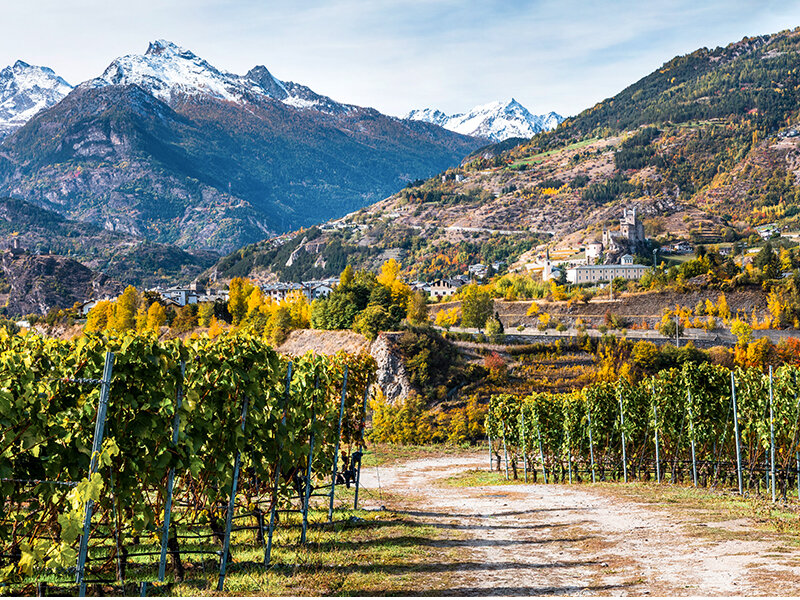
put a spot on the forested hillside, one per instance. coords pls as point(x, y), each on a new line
point(706, 147)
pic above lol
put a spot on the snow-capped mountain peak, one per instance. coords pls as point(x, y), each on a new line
point(496, 120)
point(166, 70)
point(24, 91)
point(429, 115)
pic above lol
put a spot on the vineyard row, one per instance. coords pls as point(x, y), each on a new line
point(703, 423)
point(115, 448)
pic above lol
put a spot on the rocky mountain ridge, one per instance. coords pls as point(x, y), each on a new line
point(169, 148)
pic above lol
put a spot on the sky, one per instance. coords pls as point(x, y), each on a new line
point(397, 55)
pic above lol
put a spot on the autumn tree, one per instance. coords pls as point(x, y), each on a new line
point(125, 310)
point(156, 317)
point(99, 316)
point(477, 305)
point(447, 317)
point(239, 290)
point(417, 313)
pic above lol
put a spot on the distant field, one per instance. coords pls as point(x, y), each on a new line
point(537, 158)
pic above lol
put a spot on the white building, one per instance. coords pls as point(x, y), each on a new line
point(593, 252)
point(443, 288)
point(597, 273)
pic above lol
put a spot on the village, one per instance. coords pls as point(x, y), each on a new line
point(595, 263)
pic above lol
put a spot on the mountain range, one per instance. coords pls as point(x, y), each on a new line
point(169, 148)
point(496, 121)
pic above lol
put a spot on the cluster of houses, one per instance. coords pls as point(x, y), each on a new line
point(196, 293)
point(681, 247)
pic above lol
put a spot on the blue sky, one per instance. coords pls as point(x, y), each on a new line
point(398, 55)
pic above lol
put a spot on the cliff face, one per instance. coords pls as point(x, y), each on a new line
point(391, 375)
point(34, 283)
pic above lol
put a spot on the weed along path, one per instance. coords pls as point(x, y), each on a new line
point(581, 539)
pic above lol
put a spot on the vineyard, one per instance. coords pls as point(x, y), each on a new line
point(703, 424)
point(115, 453)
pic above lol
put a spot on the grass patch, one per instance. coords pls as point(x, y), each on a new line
point(537, 158)
point(379, 454)
point(478, 477)
point(362, 552)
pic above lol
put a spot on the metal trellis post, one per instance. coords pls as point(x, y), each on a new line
point(591, 442)
point(771, 436)
point(505, 450)
point(307, 496)
point(691, 429)
point(226, 544)
point(491, 459)
point(176, 422)
point(274, 509)
point(569, 458)
point(655, 418)
point(99, 430)
point(336, 448)
point(524, 447)
point(797, 474)
point(361, 445)
point(736, 433)
point(541, 452)
point(622, 431)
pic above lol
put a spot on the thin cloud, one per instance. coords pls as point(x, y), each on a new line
point(397, 55)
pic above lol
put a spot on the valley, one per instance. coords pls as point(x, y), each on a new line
point(256, 340)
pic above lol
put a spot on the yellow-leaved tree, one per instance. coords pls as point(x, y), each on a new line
point(239, 290)
point(389, 277)
point(99, 316)
point(125, 309)
point(156, 317)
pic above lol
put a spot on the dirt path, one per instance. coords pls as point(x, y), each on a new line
point(560, 540)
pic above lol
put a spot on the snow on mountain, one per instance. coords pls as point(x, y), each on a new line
point(166, 69)
point(24, 91)
point(429, 115)
point(497, 120)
